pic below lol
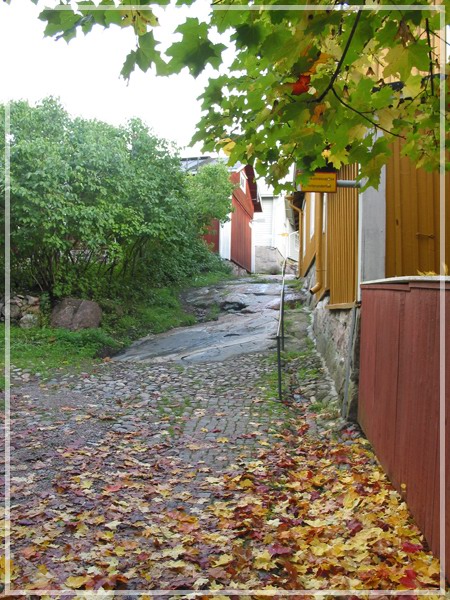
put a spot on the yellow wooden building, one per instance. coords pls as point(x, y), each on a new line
point(333, 228)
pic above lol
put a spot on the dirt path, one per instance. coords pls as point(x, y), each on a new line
point(191, 475)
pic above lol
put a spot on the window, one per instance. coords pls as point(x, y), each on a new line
point(312, 213)
point(243, 180)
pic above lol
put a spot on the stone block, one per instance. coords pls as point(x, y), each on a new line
point(28, 321)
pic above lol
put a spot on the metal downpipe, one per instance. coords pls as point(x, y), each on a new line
point(319, 258)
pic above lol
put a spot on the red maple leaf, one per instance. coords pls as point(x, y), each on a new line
point(411, 548)
point(277, 549)
point(301, 85)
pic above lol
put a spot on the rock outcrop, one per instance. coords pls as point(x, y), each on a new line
point(74, 314)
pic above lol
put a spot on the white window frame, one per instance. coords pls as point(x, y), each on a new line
point(243, 180)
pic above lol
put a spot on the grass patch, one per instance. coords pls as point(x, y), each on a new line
point(213, 312)
point(268, 383)
point(295, 284)
point(43, 350)
point(258, 279)
point(207, 279)
point(308, 374)
point(159, 311)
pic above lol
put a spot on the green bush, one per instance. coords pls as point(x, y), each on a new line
point(99, 211)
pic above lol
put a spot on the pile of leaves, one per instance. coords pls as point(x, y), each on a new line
point(125, 514)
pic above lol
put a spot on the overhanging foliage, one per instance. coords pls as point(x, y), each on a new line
point(315, 86)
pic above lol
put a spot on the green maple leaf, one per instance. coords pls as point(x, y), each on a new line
point(129, 65)
point(401, 60)
point(195, 51)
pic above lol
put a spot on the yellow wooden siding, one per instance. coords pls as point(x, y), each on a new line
point(413, 217)
point(342, 247)
point(310, 241)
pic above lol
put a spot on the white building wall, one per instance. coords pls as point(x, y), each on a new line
point(225, 239)
point(372, 215)
point(282, 228)
point(263, 223)
point(272, 228)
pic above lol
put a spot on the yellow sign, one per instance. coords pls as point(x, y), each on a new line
point(321, 182)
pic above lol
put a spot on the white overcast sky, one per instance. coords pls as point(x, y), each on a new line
point(84, 73)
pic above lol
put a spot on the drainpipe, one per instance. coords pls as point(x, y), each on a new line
point(319, 258)
point(300, 228)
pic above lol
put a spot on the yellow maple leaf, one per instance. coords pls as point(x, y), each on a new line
point(319, 548)
point(351, 499)
point(175, 564)
point(338, 549)
point(201, 581)
point(228, 148)
point(75, 582)
point(246, 483)
point(264, 561)
point(223, 440)
point(225, 559)
point(174, 552)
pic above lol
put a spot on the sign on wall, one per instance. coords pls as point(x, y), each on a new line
point(321, 182)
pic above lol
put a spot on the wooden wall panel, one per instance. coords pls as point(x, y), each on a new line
point(413, 217)
point(399, 393)
point(310, 242)
point(342, 248)
point(241, 237)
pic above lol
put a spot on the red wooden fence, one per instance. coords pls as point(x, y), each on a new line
point(399, 393)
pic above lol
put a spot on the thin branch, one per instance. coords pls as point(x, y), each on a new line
point(364, 116)
point(415, 97)
point(341, 62)
point(441, 38)
point(427, 25)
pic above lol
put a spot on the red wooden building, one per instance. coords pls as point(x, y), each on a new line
point(245, 203)
point(233, 240)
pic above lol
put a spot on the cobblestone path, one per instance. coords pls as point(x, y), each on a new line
point(169, 476)
point(202, 417)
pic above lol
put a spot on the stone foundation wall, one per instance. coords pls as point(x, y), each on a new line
point(337, 337)
point(308, 281)
point(23, 309)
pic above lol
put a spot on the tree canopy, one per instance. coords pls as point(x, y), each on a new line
point(94, 207)
point(313, 84)
point(209, 193)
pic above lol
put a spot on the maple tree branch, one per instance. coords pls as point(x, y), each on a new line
point(341, 61)
point(441, 38)
point(364, 116)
